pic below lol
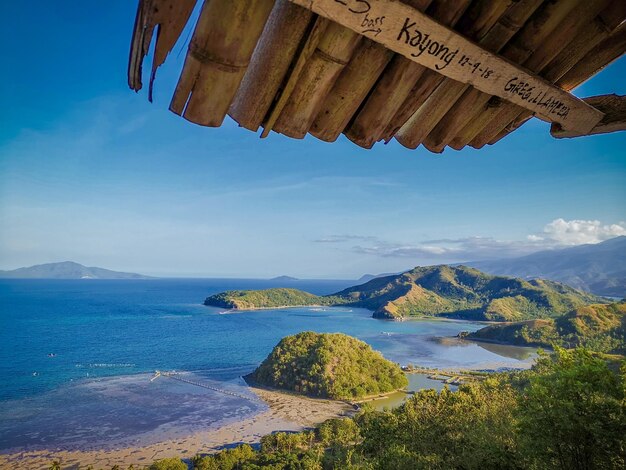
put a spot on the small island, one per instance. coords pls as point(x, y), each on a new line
point(328, 365)
point(284, 278)
point(267, 298)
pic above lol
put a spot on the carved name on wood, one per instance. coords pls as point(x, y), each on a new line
point(416, 36)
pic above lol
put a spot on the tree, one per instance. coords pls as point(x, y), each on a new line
point(572, 414)
point(169, 464)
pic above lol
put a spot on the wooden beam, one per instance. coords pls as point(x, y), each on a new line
point(614, 109)
point(416, 36)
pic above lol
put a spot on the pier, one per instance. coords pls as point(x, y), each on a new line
point(177, 376)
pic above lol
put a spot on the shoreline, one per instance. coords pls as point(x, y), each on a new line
point(504, 343)
point(286, 412)
point(442, 317)
point(252, 309)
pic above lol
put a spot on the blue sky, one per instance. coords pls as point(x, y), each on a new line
point(92, 172)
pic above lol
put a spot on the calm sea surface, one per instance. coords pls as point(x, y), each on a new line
point(76, 357)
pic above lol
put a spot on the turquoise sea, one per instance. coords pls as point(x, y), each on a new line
point(77, 356)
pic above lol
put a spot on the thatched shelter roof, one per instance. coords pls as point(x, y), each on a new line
point(435, 73)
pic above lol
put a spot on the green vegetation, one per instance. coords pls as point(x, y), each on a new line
point(464, 292)
point(599, 327)
point(268, 298)
point(329, 365)
point(458, 292)
point(168, 464)
point(568, 413)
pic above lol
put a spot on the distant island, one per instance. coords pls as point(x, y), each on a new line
point(329, 365)
point(67, 270)
point(454, 292)
point(597, 327)
point(598, 268)
point(284, 279)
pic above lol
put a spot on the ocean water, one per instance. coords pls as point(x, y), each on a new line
point(77, 356)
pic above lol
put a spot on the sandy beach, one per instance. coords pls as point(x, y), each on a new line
point(286, 412)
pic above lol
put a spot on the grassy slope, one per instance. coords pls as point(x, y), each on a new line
point(268, 298)
point(464, 292)
point(600, 327)
point(329, 365)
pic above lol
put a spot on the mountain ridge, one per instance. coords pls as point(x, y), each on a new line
point(598, 268)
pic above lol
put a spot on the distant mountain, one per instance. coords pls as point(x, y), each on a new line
point(369, 277)
point(459, 292)
point(284, 279)
point(67, 270)
point(599, 268)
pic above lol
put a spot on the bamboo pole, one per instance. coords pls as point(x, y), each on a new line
point(566, 32)
point(313, 39)
point(499, 35)
point(218, 56)
point(479, 20)
point(484, 117)
point(531, 37)
point(170, 18)
point(593, 53)
point(596, 59)
point(270, 63)
point(428, 83)
point(318, 76)
point(350, 89)
point(396, 84)
point(353, 85)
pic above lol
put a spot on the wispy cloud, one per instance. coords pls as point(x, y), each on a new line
point(556, 234)
point(345, 238)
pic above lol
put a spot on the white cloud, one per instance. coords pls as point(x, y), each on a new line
point(579, 232)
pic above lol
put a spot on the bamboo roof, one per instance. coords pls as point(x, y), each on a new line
point(437, 73)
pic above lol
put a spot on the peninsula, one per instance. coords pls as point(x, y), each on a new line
point(448, 291)
point(598, 327)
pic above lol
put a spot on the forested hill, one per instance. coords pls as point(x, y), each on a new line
point(458, 292)
point(464, 292)
point(331, 365)
point(598, 327)
point(266, 298)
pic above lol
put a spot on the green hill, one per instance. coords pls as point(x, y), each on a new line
point(267, 298)
point(329, 365)
point(465, 293)
point(458, 292)
point(599, 327)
